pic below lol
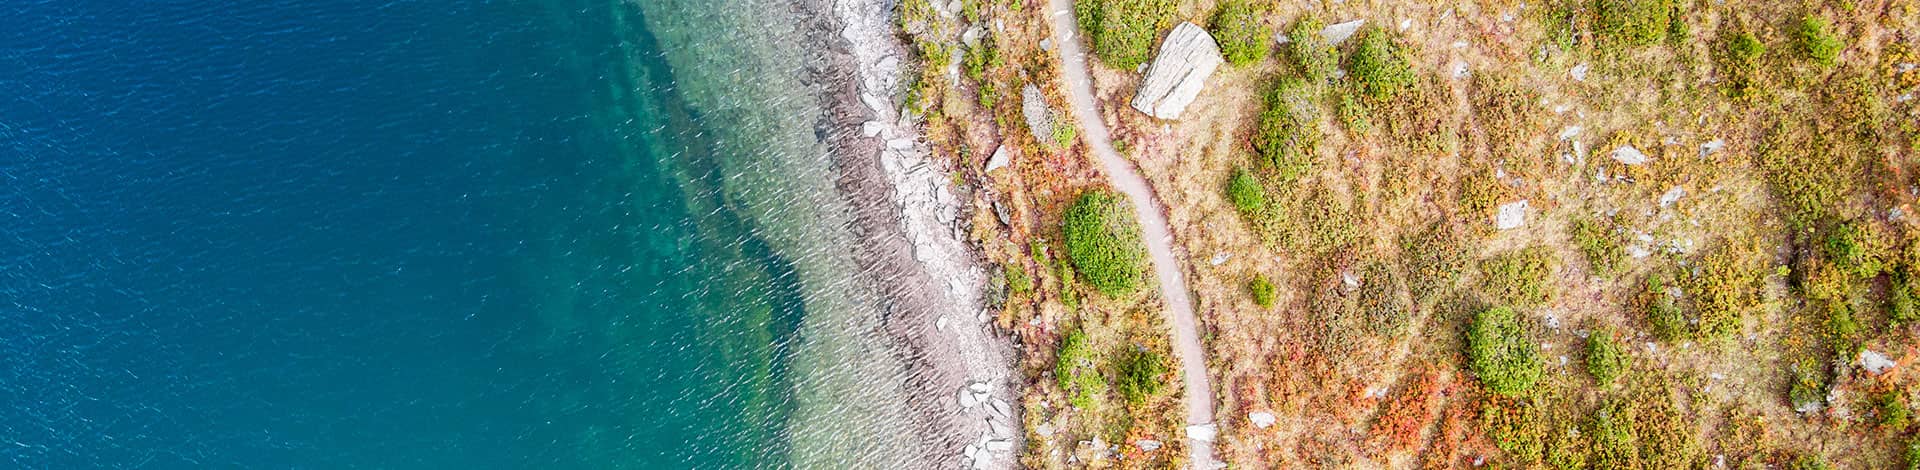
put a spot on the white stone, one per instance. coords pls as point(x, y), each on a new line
point(1220, 258)
point(1001, 409)
point(1282, 39)
point(1202, 432)
point(998, 160)
point(1339, 33)
point(966, 400)
point(981, 461)
point(980, 387)
point(1262, 419)
point(1511, 215)
point(1044, 430)
point(1710, 147)
point(1000, 445)
point(1148, 445)
point(1672, 196)
point(941, 323)
point(1627, 155)
point(1179, 72)
point(1874, 361)
point(1569, 132)
point(872, 128)
point(1046, 45)
point(1579, 72)
point(970, 451)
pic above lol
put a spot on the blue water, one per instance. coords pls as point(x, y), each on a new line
point(384, 234)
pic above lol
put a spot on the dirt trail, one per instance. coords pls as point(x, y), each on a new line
point(1166, 266)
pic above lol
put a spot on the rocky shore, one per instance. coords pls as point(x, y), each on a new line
point(963, 395)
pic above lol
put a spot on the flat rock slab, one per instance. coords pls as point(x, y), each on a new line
point(1179, 72)
point(1511, 215)
point(1336, 34)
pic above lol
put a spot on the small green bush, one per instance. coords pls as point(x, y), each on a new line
point(1816, 41)
point(1436, 255)
point(1810, 462)
point(1141, 375)
point(1663, 312)
point(1122, 31)
point(1077, 373)
point(1614, 443)
point(1262, 291)
point(1354, 114)
point(1104, 242)
point(1911, 456)
point(1891, 410)
point(1246, 193)
point(1500, 354)
point(1241, 30)
point(978, 59)
point(1606, 360)
point(1382, 303)
point(1519, 278)
point(1740, 62)
point(1018, 280)
point(1064, 134)
point(1600, 244)
point(1310, 52)
point(1855, 249)
point(1633, 22)
point(1379, 66)
point(1723, 286)
point(1289, 138)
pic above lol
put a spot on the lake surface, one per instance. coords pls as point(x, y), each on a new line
point(411, 234)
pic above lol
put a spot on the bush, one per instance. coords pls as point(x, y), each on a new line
point(1380, 67)
point(1855, 249)
point(1018, 280)
point(1663, 312)
point(1518, 278)
point(1289, 136)
point(1599, 244)
point(1435, 257)
point(1891, 410)
point(1614, 444)
point(1122, 31)
point(1723, 286)
point(1501, 355)
point(1912, 453)
point(1514, 425)
point(1900, 304)
point(1810, 462)
point(1247, 195)
point(1141, 375)
point(1064, 134)
point(1606, 360)
point(1310, 52)
point(1740, 62)
point(1104, 242)
point(1382, 303)
point(1633, 22)
point(1077, 373)
point(1242, 32)
point(1816, 41)
point(1262, 291)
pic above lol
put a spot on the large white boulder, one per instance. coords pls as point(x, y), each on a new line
point(1179, 72)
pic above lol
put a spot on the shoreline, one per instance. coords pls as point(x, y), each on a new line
point(911, 234)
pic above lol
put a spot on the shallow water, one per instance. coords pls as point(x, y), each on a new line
point(532, 234)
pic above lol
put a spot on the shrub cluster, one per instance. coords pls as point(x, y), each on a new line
point(1500, 354)
point(1855, 249)
point(1104, 242)
point(1289, 136)
point(1722, 287)
point(1816, 41)
point(1606, 360)
point(1142, 374)
point(1249, 197)
point(1122, 31)
point(1633, 22)
point(1520, 277)
point(1380, 67)
point(1077, 373)
point(1740, 62)
point(1262, 290)
point(1240, 28)
point(1310, 52)
point(1600, 244)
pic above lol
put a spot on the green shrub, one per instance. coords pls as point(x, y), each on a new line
point(1600, 244)
point(1310, 52)
point(1633, 22)
point(1077, 373)
point(1262, 291)
point(1247, 195)
point(1911, 456)
point(1104, 242)
point(1606, 360)
point(1500, 354)
point(1241, 30)
point(1614, 443)
point(1435, 257)
point(1379, 66)
point(1740, 62)
point(1723, 286)
point(1381, 302)
point(978, 59)
point(1815, 40)
point(1514, 425)
point(1141, 375)
point(1354, 114)
point(1064, 134)
point(1809, 388)
point(1891, 410)
point(1810, 462)
point(1518, 278)
point(1018, 280)
point(1855, 249)
point(1289, 136)
point(1663, 312)
point(1122, 31)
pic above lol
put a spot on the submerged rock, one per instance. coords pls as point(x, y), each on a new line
point(1179, 72)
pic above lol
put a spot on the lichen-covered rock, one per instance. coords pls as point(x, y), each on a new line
point(1179, 72)
point(1039, 116)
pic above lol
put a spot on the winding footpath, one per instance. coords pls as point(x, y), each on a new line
point(1166, 266)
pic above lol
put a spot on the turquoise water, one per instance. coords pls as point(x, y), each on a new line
point(407, 234)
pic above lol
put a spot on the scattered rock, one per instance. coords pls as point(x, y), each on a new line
point(1511, 215)
point(1001, 409)
point(1710, 147)
point(1627, 155)
point(1579, 72)
point(1000, 445)
point(1148, 445)
point(872, 128)
point(1874, 362)
point(941, 323)
point(1043, 430)
point(1282, 39)
point(1339, 33)
point(1179, 72)
point(1033, 107)
point(966, 400)
point(980, 387)
point(1202, 432)
point(1262, 419)
point(1672, 196)
point(1569, 132)
point(998, 160)
point(1220, 258)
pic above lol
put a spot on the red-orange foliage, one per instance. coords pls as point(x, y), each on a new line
point(1401, 420)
